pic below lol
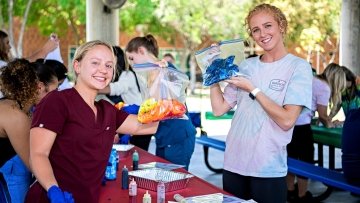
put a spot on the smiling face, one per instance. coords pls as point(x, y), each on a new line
point(266, 31)
point(96, 68)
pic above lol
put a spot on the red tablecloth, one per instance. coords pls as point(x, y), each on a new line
point(112, 191)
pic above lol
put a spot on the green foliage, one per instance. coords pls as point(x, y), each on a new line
point(311, 22)
point(140, 15)
point(49, 15)
point(196, 20)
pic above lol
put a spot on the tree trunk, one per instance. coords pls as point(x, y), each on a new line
point(22, 29)
point(1, 18)
point(350, 35)
point(11, 32)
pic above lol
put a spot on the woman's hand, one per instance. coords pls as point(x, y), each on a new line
point(162, 64)
point(338, 124)
point(242, 83)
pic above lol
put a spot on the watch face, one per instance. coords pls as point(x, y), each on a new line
point(251, 96)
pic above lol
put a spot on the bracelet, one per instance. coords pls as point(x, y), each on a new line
point(253, 93)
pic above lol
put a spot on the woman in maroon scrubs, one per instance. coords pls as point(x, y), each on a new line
point(72, 134)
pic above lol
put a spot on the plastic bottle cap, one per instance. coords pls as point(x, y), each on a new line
point(147, 197)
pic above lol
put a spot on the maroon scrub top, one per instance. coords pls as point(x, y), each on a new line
point(83, 143)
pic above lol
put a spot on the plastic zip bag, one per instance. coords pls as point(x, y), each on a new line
point(218, 63)
point(166, 93)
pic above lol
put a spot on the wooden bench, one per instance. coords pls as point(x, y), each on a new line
point(331, 178)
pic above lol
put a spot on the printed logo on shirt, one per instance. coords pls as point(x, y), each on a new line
point(277, 84)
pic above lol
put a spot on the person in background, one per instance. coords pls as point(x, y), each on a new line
point(169, 58)
point(5, 47)
point(301, 146)
point(175, 138)
point(350, 139)
point(19, 83)
point(351, 96)
point(61, 73)
point(127, 88)
point(69, 150)
point(350, 99)
point(269, 101)
point(48, 80)
point(5, 55)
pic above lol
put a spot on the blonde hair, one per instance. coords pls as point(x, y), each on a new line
point(270, 9)
point(335, 76)
point(84, 48)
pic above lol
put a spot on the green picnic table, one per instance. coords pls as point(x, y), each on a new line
point(210, 116)
point(330, 137)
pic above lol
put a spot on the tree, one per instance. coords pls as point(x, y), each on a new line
point(44, 14)
point(23, 9)
point(192, 21)
point(313, 26)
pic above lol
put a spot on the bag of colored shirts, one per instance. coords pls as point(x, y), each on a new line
point(166, 98)
point(220, 62)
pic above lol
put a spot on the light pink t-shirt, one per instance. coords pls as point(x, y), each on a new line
point(320, 96)
point(256, 145)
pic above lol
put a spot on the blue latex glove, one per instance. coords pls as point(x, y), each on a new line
point(125, 139)
point(56, 195)
point(131, 109)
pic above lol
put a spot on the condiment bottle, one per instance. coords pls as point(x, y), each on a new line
point(135, 158)
point(147, 197)
point(161, 192)
point(132, 188)
point(124, 178)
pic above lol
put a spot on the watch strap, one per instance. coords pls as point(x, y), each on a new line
point(253, 93)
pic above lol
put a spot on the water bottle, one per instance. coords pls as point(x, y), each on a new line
point(110, 172)
point(161, 192)
point(135, 158)
point(124, 178)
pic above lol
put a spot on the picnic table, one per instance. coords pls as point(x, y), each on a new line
point(112, 191)
point(330, 137)
point(323, 136)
